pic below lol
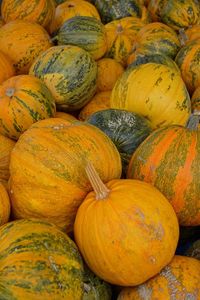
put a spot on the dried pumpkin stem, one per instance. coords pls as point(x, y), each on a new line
point(99, 187)
point(194, 120)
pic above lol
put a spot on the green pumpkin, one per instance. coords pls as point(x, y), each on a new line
point(126, 129)
point(194, 250)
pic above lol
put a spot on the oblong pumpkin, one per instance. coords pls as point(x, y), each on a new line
point(22, 54)
point(24, 100)
point(6, 67)
point(47, 175)
point(38, 261)
point(70, 73)
point(4, 205)
point(155, 91)
point(6, 146)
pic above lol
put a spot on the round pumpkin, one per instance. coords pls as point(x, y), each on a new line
point(194, 250)
point(6, 67)
point(40, 12)
point(47, 175)
point(155, 91)
point(22, 42)
point(4, 205)
point(70, 73)
point(179, 280)
point(85, 32)
point(69, 9)
point(38, 261)
point(125, 230)
point(169, 160)
point(24, 100)
point(108, 71)
point(65, 116)
point(99, 102)
point(6, 146)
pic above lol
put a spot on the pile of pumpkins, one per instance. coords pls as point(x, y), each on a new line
point(99, 150)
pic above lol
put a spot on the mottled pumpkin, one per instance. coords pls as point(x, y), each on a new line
point(108, 71)
point(6, 146)
point(40, 12)
point(47, 175)
point(24, 100)
point(4, 205)
point(179, 280)
point(38, 261)
point(155, 91)
point(99, 102)
point(125, 230)
point(65, 116)
point(195, 100)
point(22, 54)
point(6, 67)
point(70, 73)
point(72, 8)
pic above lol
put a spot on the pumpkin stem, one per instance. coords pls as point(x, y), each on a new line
point(99, 187)
point(10, 92)
point(120, 28)
point(194, 120)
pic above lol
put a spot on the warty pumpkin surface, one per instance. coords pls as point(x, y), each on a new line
point(6, 67)
point(6, 146)
point(48, 178)
point(4, 205)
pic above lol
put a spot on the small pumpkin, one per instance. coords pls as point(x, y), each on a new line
point(194, 250)
point(24, 100)
point(136, 230)
point(4, 205)
point(99, 102)
point(179, 280)
point(6, 146)
point(6, 67)
point(35, 40)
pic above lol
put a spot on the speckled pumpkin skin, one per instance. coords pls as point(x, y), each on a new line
point(38, 261)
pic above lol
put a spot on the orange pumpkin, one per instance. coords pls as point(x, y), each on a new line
point(126, 230)
point(6, 67)
point(24, 100)
point(23, 41)
point(4, 205)
point(40, 12)
point(179, 280)
point(99, 102)
point(65, 116)
point(6, 146)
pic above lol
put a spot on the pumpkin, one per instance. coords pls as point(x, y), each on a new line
point(99, 102)
point(154, 8)
point(108, 71)
point(38, 261)
point(40, 12)
point(1, 22)
point(69, 9)
point(47, 175)
point(191, 33)
point(85, 32)
point(157, 38)
point(169, 160)
point(4, 205)
point(188, 61)
point(126, 129)
point(194, 250)
point(179, 280)
point(120, 37)
point(22, 54)
point(24, 100)
point(6, 146)
point(65, 116)
point(125, 230)
point(6, 67)
point(70, 73)
point(155, 91)
point(195, 100)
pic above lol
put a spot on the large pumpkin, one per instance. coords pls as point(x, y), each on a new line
point(70, 73)
point(47, 172)
point(126, 230)
point(6, 67)
point(169, 159)
point(40, 12)
point(38, 261)
point(6, 146)
point(4, 205)
point(23, 41)
point(24, 100)
point(155, 91)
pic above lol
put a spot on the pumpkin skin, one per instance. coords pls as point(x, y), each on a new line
point(40, 12)
point(126, 129)
point(192, 33)
point(24, 100)
point(6, 146)
point(108, 71)
point(6, 68)
point(4, 205)
point(155, 91)
point(194, 250)
point(65, 116)
point(37, 260)
point(168, 159)
point(99, 102)
point(35, 40)
point(70, 9)
point(53, 183)
point(195, 100)
point(85, 32)
point(70, 73)
point(179, 280)
point(136, 231)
